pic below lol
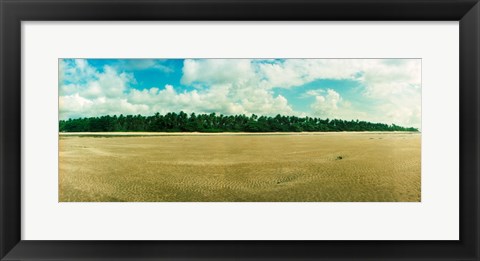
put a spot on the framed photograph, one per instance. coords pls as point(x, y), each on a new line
point(246, 130)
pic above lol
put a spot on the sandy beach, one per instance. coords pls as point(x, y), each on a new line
point(240, 167)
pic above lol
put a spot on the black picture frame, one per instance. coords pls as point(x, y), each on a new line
point(13, 12)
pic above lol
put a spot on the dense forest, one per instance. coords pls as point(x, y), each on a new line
point(182, 122)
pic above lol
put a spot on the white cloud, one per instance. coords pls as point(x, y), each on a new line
point(75, 70)
point(216, 99)
point(73, 104)
point(313, 93)
point(295, 72)
point(217, 71)
point(382, 78)
point(327, 106)
point(235, 87)
point(402, 109)
point(85, 91)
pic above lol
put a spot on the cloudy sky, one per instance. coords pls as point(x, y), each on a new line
point(376, 90)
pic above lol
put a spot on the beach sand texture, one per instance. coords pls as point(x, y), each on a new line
point(282, 167)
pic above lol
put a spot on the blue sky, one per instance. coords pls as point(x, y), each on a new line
point(378, 90)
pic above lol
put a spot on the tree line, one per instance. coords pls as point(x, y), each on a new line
point(182, 122)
